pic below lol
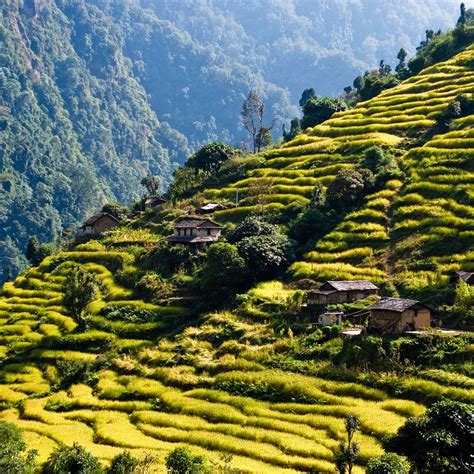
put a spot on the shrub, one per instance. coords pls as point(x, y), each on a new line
point(439, 441)
point(388, 463)
point(123, 463)
point(72, 460)
point(224, 271)
point(182, 461)
point(252, 226)
point(12, 447)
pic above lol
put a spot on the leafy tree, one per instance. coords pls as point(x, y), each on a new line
point(253, 111)
point(211, 157)
point(401, 67)
point(36, 252)
point(384, 69)
point(12, 447)
point(388, 463)
point(348, 453)
point(348, 187)
point(72, 460)
point(439, 441)
point(307, 95)
point(153, 184)
point(295, 129)
point(182, 461)
point(81, 287)
point(464, 295)
point(115, 209)
point(266, 255)
point(123, 463)
point(311, 225)
point(462, 17)
point(250, 227)
point(224, 270)
point(374, 84)
point(316, 110)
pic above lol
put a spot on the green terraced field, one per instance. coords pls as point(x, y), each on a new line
point(156, 386)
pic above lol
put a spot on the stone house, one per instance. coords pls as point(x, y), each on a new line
point(343, 291)
point(97, 224)
point(397, 315)
point(197, 233)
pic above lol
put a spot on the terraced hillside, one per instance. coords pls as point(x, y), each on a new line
point(370, 242)
point(116, 386)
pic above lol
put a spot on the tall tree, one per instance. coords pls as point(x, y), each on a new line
point(253, 111)
point(153, 184)
point(402, 65)
point(462, 18)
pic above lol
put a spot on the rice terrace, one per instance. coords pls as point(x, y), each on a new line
point(305, 305)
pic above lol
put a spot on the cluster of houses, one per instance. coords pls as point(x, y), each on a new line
point(385, 316)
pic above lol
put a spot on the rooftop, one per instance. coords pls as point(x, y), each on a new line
point(194, 223)
point(96, 217)
point(394, 304)
point(351, 285)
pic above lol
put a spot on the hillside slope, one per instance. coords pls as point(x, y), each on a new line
point(147, 371)
point(409, 222)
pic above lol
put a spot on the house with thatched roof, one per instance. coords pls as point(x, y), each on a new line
point(196, 233)
point(397, 315)
point(341, 291)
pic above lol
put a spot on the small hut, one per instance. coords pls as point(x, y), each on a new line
point(343, 291)
point(330, 318)
point(98, 223)
point(397, 315)
point(153, 201)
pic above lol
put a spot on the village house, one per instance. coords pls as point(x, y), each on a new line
point(210, 208)
point(97, 224)
point(197, 233)
point(153, 201)
point(397, 315)
point(468, 277)
point(344, 291)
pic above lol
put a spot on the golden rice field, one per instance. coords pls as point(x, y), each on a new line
point(155, 394)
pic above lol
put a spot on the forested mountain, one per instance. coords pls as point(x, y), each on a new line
point(97, 93)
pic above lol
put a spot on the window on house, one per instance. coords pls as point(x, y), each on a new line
point(208, 231)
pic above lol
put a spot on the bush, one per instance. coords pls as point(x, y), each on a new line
point(250, 227)
point(123, 463)
point(439, 441)
point(72, 460)
point(266, 255)
point(12, 446)
point(182, 461)
point(388, 463)
point(224, 271)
